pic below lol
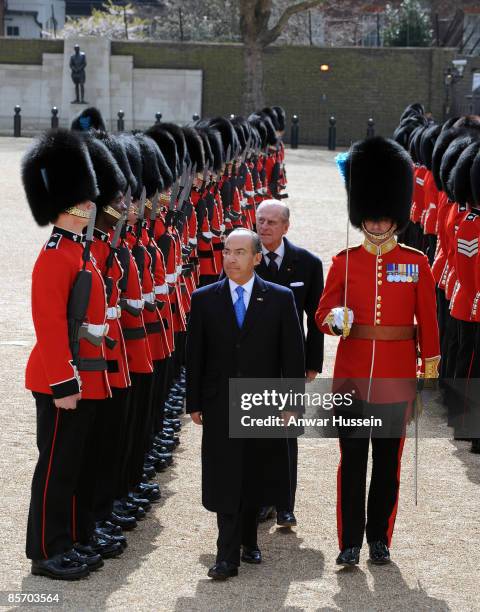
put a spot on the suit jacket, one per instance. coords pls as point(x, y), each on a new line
point(269, 345)
point(302, 272)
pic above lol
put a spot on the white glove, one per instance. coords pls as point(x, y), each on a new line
point(338, 317)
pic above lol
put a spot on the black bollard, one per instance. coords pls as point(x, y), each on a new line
point(54, 121)
point(294, 132)
point(195, 117)
point(332, 134)
point(17, 122)
point(158, 117)
point(370, 128)
point(120, 121)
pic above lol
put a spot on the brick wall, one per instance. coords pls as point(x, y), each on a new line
point(361, 82)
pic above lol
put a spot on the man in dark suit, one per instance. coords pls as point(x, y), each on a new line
point(291, 266)
point(239, 327)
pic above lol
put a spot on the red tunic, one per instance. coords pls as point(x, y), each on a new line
point(418, 194)
point(377, 296)
point(50, 369)
point(118, 375)
point(429, 218)
point(466, 263)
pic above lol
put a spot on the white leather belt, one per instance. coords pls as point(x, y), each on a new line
point(135, 303)
point(420, 181)
point(243, 203)
point(149, 297)
point(114, 312)
point(222, 227)
point(171, 278)
point(193, 241)
point(96, 330)
point(179, 269)
point(207, 234)
point(161, 289)
point(249, 194)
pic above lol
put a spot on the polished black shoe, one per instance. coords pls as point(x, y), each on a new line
point(129, 508)
point(159, 465)
point(285, 518)
point(127, 523)
point(60, 567)
point(349, 556)
point(251, 555)
point(108, 527)
point(152, 494)
point(379, 553)
point(105, 545)
point(164, 443)
point(222, 571)
point(121, 539)
point(85, 555)
point(266, 513)
point(149, 470)
point(139, 501)
point(158, 456)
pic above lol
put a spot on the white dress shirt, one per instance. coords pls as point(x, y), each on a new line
point(280, 252)
point(247, 290)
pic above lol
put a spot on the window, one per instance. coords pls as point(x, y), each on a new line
point(471, 34)
point(13, 31)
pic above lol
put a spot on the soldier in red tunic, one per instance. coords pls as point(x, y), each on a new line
point(67, 370)
point(389, 286)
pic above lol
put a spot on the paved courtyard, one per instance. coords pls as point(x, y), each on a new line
point(436, 546)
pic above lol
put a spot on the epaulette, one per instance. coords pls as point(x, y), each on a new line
point(409, 248)
point(357, 246)
point(53, 242)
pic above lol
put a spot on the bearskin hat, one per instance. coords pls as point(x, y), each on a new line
point(379, 181)
point(116, 148)
point(209, 159)
point(427, 143)
point(414, 109)
point(166, 144)
point(281, 116)
point(89, 119)
point(216, 146)
point(227, 134)
point(151, 177)
point(57, 173)
point(475, 180)
point(177, 133)
point(269, 111)
point(134, 156)
point(449, 159)
point(459, 180)
point(195, 148)
point(441, 145)
point(414, 144)
point(111, 181)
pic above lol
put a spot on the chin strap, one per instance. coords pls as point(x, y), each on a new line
point(78, 212)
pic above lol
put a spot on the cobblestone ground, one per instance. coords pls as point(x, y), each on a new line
point(436, 548)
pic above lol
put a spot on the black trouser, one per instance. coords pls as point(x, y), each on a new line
point(382, 495)
point(431, 247)
point(63, 482)
point(157, 400)
point(290, 478)
point(464, 388)
point(235, 530)
point(136, 412)
point(110, 423)
point(179, 355)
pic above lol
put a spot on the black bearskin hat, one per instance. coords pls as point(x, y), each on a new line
point(475, 180)
point(134, 156)
point(272, 113)
point(449, 159)
point(177, 133)
point(441, 145)
point(459, 181)
point(281, 116)
point(427, 143)
point(195, 148)
point(151, 177)
point(415, 109)
point(57, 173)
point(166, 144)
point(111, 181)
point(216, 146)
point(114, 145)
point(379, 181)
point(227, 134)
point(89, 119)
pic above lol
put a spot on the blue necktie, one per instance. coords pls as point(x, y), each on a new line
point(239, 306)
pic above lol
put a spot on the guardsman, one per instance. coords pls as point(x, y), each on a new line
point(375, 302)
point(67, 369)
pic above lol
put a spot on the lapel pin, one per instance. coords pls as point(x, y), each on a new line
point(259, 299)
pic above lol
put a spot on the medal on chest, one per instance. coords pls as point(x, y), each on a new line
point(402, 273)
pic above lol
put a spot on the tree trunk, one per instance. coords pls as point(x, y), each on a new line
point(253, 96)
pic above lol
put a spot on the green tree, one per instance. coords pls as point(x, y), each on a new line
point(407, 26)
point(114, 21)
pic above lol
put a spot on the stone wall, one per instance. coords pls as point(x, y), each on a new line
point(178, 80)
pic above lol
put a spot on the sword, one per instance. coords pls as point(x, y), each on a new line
point(118, 228)
point(173, 194)
point(141, 213)
point(187, 188)
point(89, 236)
point(153, 215)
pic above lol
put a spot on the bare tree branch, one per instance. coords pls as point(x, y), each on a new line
point(271, 35)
